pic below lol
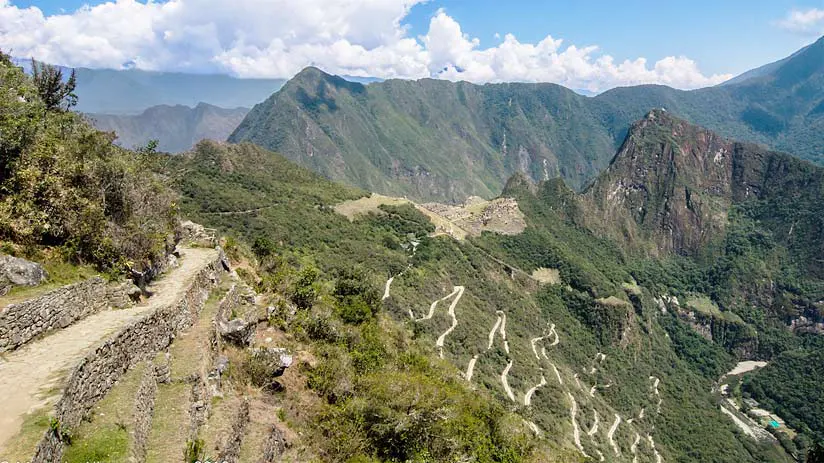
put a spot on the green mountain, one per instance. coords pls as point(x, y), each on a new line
point(429, 139)
point(176, 128)
point(444, 141)
point(601, 326)
point(670, 307)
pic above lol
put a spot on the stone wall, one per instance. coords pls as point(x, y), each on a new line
point(143, 412)
point(139, 341)
point(274, 447)
point(24, 321)
point(230, 451)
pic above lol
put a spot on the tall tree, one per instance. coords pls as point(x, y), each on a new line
point(53, 90)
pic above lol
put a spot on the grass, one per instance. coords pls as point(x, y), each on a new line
point(221, 419)
point(106, 435)
point(170, 426)
point(21, 447)
point(706, 306)
point(549, 276)
point(189, 350)
point(365, 205)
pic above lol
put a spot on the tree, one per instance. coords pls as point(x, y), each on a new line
point(816, 454)
point(5, 59)
point(51, 86)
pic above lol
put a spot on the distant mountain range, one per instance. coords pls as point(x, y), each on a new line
point(132, 91)
point(176, 128)
point(434, 139)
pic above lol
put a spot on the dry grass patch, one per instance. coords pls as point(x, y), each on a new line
point(170, 425)
point(613, 301)
point(363, 206)
point(547, 276)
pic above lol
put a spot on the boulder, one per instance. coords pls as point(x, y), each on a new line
point(238, 331)
point(275, 360)
point(195, 233)
point(19, 272)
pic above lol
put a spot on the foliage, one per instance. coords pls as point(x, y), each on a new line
point(791, 386)
point(54, 91)
point(357, 299)
point(64, 184)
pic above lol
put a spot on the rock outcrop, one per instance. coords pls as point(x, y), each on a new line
point(15, 271)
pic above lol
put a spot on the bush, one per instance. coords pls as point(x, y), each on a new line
point(64, 184)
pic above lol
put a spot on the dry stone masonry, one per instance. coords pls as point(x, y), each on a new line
point(140, 341)
point(143, 412)
point(22, 322)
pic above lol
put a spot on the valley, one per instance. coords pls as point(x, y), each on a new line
point(531, 275)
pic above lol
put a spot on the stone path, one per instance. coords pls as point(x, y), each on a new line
point(30, 377)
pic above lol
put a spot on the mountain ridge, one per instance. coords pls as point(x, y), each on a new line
point(177, 128)
point(551, 131)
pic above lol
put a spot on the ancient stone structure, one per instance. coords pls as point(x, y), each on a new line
point(24, 321)
point(95, 375)
point(143, 412)
point(274, 447)
point(230, 451)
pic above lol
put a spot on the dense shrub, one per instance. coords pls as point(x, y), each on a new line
point(63, 183)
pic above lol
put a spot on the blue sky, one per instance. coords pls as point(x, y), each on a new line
point(716, 38)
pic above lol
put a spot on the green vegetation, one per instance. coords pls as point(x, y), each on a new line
point(791, 386)
point(376, 373)
point(402, 137)
point(65, 185)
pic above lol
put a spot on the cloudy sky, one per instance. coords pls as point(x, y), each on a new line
point(592, 45)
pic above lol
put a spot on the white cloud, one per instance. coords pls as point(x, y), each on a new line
point(806, 22)
point(277, 38)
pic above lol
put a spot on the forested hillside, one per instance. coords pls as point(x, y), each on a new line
point(520, 340)
point(437, 140)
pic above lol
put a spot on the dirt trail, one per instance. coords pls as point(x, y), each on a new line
point(658, 458)
point(386, 290)
point(470, 369)
point(531, 392)
point(576, 431)
point(505, 382)
point(655, 391)
point(439, 343)
point(431, 312)
point(503, 331)
point(599, 358)
point(634, 448)
point(594, 428)
point(557, 374)
point(30, 376)
point(611, 434)
point(495, 328)
point(534, 427)
point(554, 333)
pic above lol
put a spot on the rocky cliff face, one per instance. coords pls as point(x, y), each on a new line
point(672, 186)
